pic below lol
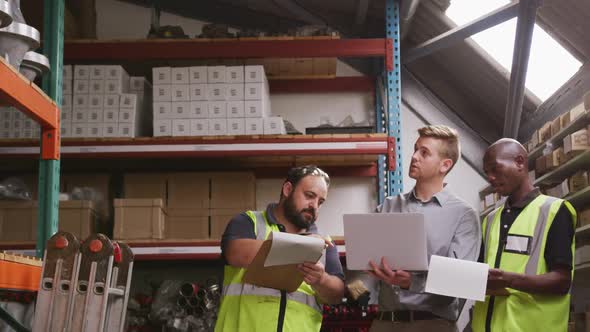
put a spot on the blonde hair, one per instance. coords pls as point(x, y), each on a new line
point(450, 149)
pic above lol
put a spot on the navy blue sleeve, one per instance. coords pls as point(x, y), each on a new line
point(333, 266)
point(558, 250)
point(240, 227)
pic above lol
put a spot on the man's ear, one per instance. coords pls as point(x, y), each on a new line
point(446, 166)
point(287, 189)
point(520, 161)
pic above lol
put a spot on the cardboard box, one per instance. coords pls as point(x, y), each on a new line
point(116, 86)
point(18, 221)
point(490, 200)
point(274, 125)
point(111, 116)
point(81, 72)
point(67, 87)
point(254, 74)
point(145, 185)
point(162, 110)
point(324, 66)
point(217, 127)
point(95, 116)
point(555, 126)
point(233, 190)
point(180, 75)
point(303, 66)
point(199, 127)
point(198, 92)
point(578, 181)
point(235, 109)
point(235, 91)
point(217, 92)
point(577, 141)
point(219, 220)
point(128, 100)
point(81, 87)
point(110, 130)
point(162, 127)
point(217, 110)
point(127, 115)
point(79, 130)
point(79, 218)
point(235, 74)
point(561, 190)
point(545, 132)
point(98, 182)
point(96, 102)
point(111, 101)
point(216, 74)
point(127, 129)
point(541, 165)
point(80, 102)
point(188, 190)
point(94, 130)
point(582, 255)
point(180, 110)
point(584, 218)
point(199, 110)
point(552, 160)
point(161, 75)
point(180, 92)
point(96, 87)
point(255, 91)
point(181, 127)
point(256, 108)
point(189, 223)
point(116, 72)
point(198, 75)
point(137, 219)
point(572, 115)
point(236, 126)
point(254, 126)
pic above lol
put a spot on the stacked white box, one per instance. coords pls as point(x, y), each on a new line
point(162, 127)
point(274, 125)
point(78, 124)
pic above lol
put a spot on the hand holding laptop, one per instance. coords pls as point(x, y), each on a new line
point(385, 273)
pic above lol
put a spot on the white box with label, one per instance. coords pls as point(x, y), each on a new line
point(127, 115)
point(198, 92)
point(110, 116)
point(236, 126)
point(126, 129)
point(162, 93)
point(199, 127)
point(96, 102)
point(67, 72)
point(79, 129)
point(80, 102)
point(180, 110)
point(115, 72)
point(111, 102)
point(162, 110)
point(199, 110)
point(254, 74)
point(66, 115)
point(255, 91)
point(235, 109)
point(95, 116)
point(80, 115)
point(116, 86)
point(97, 72)
point(16, 133)
point(234, 74)
point(66, 129)
point(180, 75)
point(128, 100)
point(217, 127)
point(67, 102)
point(197, 75)
point(67, 87)
point(235, 91)
point(81, 72)
point(139, 84)
point(217, 109)
point(96, 87)
point(254, 126)
point(94, 130)
point(181, 127)
point(256, 108)
point(81, 87)
point(216, 74)
point(162, 127)
point(180, 92)
point(110, 130)
point(217, 91)
point(274, 125)
point(162, 75)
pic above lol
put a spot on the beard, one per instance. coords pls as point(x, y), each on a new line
point(297, 218)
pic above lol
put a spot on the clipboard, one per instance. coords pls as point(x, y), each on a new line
point(281, 277)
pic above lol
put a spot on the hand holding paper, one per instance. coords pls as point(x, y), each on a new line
point(293, 249)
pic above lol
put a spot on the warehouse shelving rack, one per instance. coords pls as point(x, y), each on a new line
point(388, 103)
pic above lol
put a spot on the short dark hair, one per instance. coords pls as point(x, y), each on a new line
point(295, 174)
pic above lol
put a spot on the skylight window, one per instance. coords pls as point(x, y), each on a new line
point(550, 65)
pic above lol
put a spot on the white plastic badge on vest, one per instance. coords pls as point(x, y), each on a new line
point(293, 249)
point(519, 244)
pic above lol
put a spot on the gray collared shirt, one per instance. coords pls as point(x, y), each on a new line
point(453, 230)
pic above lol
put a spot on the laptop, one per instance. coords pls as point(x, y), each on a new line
point(399, 237)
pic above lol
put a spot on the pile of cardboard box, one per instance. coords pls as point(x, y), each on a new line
point(15, 124)
point(213, 101)
point(551, 128)
point(181, 205)
point(103, 101)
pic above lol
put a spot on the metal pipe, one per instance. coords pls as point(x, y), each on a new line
point(5, 16)
point(527, 13)
point(188, 289)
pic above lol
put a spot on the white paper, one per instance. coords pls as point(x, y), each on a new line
point(293, 249)
point(457, 278)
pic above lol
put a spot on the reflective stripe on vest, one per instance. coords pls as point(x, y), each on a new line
point(260, 226)
point(248, 289)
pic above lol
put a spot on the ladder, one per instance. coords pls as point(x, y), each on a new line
point(84, 286)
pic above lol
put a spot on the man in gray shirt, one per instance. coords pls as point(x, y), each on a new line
point(453, 230)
